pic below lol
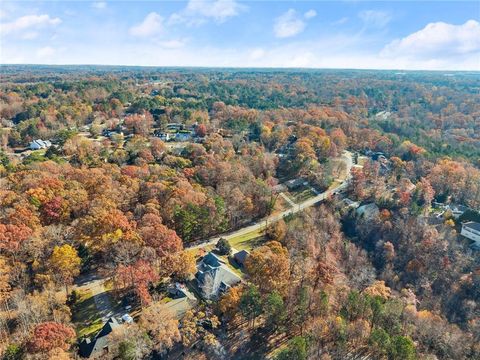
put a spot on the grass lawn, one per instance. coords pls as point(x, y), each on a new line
point(247, 241)
point(85, 315)
point(301, 194)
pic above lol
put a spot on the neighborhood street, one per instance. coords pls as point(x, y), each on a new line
point(261, 224)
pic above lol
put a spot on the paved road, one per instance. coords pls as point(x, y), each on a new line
point(347, 157)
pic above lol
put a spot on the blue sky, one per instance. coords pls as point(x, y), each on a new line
point(231, 33)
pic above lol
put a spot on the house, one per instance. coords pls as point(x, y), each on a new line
point(471, 230)
point(240, 257)
point(98, 347)
point(164, 136)
point(39, 144)
point(214, 277)
point(350, 204)
point(182, 299)
point(457, 210)
point(368, 211)
point(295, 183)
point(183, 135)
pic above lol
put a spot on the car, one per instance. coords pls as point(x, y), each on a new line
point(127, 319)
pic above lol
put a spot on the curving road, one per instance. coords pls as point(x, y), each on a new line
point(261, 224)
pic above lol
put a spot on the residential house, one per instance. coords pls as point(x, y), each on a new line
point(40, 144)
point(471, 230)
point(240, 257)
point(350, 204)
point(183, 135)
point(214, 277)
point(182, 299)
point(457, 210)
point(295, 183)
point(368, 211)
point(97, 348)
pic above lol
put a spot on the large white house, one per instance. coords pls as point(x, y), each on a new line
point(214, 277)
point(40, 144)
point(471, 230)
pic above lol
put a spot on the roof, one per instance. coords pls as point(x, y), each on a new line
point(89, 347)
point(214, 275)
point(40, 143)
point(241, 256)
point(472, 225)
point(458, 208)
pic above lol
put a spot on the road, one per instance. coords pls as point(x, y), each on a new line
point(261, 224)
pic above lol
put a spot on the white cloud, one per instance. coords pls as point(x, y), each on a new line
point(29, 22)
point(45, 52)
point(288, 24)
point(375, 18)
point(438, 40)
point(151, 25)
point(172, 44)
point(100, 5)
point(310, 14)
point(340, 21)
point(256, 54)
point(30, 35)
point(198, 11)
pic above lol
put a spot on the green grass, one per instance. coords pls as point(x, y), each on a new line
point(247, 241)
point(85, 315)
point(301, 194)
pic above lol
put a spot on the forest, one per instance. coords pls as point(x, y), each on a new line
point(238, 213)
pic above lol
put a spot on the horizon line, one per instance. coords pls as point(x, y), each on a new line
point(242, 67)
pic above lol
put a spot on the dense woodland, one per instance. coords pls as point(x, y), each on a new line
point(324, 284)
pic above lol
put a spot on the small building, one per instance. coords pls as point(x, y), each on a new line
point(350, 204)
point(457, 210)
point(40, 144)
point(368, 211)
point(471, 230)
point(295, 183)
point(214, 277)
point(164, 136)
point(240, 257)
point(98, 347)
point(183, 136)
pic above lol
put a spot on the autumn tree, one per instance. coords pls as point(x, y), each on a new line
point(268, 267)
point(161, 325)
point(49, 335)
point(65, 264)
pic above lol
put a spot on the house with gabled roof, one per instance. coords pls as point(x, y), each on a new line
point(97, 347)
point(214, 277)
point(471, 230)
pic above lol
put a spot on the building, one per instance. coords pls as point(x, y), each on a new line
point(214, 277)
point(368, 211)
point(39, 144)
point(295, 183)
point(240, 257)
point(98, 347)
point(471, 230)
point(457, 210)
point(182, 300)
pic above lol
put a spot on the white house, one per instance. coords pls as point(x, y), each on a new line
point(471, 230)
point(214, 277)
point(40, 144)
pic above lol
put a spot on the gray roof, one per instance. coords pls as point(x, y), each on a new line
point(214, 276)
point(241, 256)
point(472, 225)
point(96, 346)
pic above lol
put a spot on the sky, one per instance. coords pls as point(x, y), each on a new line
point(407, 35)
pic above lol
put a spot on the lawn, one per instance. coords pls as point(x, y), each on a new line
point(247, 241)
point(301, 194)
point(85, 315)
